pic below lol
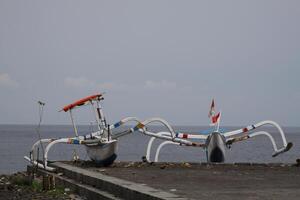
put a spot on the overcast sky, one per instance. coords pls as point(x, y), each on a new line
point(152, 58)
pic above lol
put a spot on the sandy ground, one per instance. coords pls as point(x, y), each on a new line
point(202, 181)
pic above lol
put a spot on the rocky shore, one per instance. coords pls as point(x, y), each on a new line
point(23, 186)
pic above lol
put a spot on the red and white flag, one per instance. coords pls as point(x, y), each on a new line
point(212, 109)
point(215, 119)
point(212, 114)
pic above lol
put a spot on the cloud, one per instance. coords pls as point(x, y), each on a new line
point(106, 86)
point(80, 82)
point(164, 84)
point(7, 81)
point(115, 86)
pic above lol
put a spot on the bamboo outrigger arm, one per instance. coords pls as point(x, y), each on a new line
point(228, 135)
point(51, 142)
point(286, 146)
point(159, 148)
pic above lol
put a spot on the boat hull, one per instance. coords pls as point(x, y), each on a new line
point(104, 153)
point(216, 148)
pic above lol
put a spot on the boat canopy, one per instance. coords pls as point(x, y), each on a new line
point(82, 101)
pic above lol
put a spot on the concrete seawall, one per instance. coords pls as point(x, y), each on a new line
point(180, 181)
point(94, 185)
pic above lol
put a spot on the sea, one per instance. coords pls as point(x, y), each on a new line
point(16, 142)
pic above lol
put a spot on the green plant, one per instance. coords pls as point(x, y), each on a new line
point(21, 180)
point(36, 186)
point(57, 191)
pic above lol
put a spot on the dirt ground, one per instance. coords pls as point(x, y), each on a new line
point(17, 186)
point(204, 181)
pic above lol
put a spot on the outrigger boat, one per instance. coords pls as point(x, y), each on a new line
point(101, 145)
point(216, 141)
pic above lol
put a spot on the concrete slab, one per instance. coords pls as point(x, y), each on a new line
point(203, 181)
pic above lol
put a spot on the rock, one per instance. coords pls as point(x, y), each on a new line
point(72, 196)
point(7, 186)
point(144, 159)
point(131, 164)
point(186, 164)
point(67, 190)
point(152, 163)
point(1, 186)
point(163, 166)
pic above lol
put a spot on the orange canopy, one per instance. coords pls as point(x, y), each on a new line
point(81, 101)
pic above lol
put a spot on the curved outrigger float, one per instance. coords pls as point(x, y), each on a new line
point(101, 146)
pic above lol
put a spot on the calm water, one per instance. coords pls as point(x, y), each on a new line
point(16, 141)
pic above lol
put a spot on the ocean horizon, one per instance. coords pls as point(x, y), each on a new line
point(17, 140)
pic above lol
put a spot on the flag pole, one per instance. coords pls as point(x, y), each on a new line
point(218, 126)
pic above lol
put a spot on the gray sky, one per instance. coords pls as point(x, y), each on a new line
point(152, 58)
